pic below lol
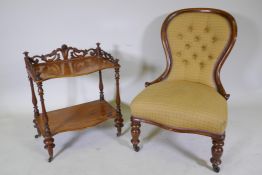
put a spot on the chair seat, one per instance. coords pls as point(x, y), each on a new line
point(182, 105)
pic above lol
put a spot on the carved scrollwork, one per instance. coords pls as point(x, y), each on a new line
point(66, 53)
point(75, 53)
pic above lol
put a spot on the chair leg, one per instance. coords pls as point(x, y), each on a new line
point(217, 151)
point(135, 132)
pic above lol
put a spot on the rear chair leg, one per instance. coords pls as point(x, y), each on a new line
point(217, 151)
point(135, 132)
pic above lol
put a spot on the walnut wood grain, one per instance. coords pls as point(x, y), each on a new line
point(77, 117)
point(68, 62)
point(71, 68)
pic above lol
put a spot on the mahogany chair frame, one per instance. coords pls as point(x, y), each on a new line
point(65, 55)
point(217, 140)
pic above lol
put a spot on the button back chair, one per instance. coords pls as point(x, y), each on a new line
point(189, 97)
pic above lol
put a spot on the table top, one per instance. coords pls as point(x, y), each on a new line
point(68, 62)
point(77, 117)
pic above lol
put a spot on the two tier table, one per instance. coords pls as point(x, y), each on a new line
point(71, 62)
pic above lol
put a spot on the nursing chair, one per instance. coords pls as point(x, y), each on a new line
point(188, 97)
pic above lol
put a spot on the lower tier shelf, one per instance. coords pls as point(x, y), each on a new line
point(77, 117)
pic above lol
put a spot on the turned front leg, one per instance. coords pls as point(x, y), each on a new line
point(135, 132)
point(48, 139)
point(119, 120)
point(36, 111)
point(217, 151)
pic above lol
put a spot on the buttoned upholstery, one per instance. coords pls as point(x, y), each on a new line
point(196, 41)
point(188, 98)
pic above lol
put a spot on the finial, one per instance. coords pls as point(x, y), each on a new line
point(98, 49)
point(26, 53)
point(64, 47)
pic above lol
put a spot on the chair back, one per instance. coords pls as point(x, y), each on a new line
point(197, 41)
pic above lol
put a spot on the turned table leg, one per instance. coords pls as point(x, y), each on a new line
point(217, 151)
point(101, 86)
point(119, 120)
point(135, 132)
point(48, 139)
point(36, 111)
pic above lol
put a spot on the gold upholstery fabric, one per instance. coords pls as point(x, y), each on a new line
point(196, 41)
point(182, 105)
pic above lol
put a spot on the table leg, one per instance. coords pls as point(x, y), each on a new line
point(36, 111)
point(101, 86)
point(48, 141)
point(119, 120)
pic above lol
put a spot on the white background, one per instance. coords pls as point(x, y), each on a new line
point(130, 31)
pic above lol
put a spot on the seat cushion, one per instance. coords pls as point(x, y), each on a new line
point(182, 105)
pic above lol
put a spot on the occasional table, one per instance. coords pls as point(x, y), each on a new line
point(71, 62)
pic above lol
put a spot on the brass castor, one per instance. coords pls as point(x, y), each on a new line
point(118, 134)
point(216, 169)
point(50, 159)
point(136, 148)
